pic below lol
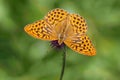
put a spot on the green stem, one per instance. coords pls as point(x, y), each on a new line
point(63, 64)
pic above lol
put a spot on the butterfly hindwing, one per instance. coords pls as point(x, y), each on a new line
point(78, 23)
point(55, 16)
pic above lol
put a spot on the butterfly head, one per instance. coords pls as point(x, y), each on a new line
point(60, 41)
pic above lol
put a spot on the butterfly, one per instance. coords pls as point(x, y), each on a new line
point(64, 27)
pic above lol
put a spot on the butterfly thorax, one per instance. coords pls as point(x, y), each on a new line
point(63, 28)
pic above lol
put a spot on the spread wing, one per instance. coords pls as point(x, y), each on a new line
point(78, 24)
point(49, 27)
point(76, 38)
point(57, 19)
point(40, 30)
point(81, 44)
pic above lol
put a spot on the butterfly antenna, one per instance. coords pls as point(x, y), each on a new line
point(63, 63)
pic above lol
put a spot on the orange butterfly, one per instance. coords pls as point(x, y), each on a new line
point(64, 27)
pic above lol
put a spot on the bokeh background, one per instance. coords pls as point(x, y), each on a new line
point(23, 57)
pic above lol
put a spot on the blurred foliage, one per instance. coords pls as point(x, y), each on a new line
point(25, 58)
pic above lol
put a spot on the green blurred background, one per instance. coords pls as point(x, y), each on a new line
point(25, 58)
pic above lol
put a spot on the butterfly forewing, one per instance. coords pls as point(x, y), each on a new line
point(81, 44)
point(41, 30)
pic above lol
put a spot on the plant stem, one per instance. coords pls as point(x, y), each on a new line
point(63, 63)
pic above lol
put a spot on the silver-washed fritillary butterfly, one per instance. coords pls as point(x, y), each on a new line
point(64, 27)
